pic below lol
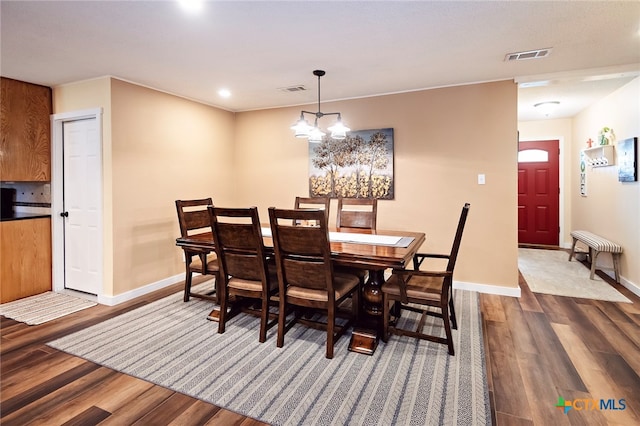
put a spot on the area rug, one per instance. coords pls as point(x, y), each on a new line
point(43, 307)
point(550, 272)
point(406, 381)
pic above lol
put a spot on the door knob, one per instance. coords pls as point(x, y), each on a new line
point(64, 214)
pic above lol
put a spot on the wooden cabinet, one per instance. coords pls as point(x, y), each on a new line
point(25, 258)
point(25, 145)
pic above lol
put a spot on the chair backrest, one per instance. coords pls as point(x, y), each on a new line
point(303, 254)
point(458, 238)
point(357, 213)
point(192, 215)
point(238, 240)
point(313, 203)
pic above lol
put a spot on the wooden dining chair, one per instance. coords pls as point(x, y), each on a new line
point(306, 274)
point(322, 203)
point(244, 269)
point(357, 213)
point(193, 219)
point(426, 288)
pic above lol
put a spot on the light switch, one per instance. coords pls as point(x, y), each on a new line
point(481, 179)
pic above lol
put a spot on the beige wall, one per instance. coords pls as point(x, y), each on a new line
point(443, 139)
point(611, 208)
point(561, 130)
point(90, 94)
point(164, 148)
point(161, 148)
point(157, 148)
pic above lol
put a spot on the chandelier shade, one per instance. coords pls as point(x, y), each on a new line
point(303, 129)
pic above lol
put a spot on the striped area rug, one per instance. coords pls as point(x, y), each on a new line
point(43, 307)
point(406, 381)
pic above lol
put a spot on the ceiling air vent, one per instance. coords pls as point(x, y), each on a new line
point(530, 54)
point(298, 88)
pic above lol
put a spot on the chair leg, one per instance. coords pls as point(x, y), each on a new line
point(222, 319)
point(216, 278)
point(187, 285)
point(355, 304)
point(454, 323)
point(282, 314)
point(331, 322)
point(447, 328)
point(385, 317)
point(264, 319)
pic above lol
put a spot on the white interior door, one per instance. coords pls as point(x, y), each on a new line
point(82, 209)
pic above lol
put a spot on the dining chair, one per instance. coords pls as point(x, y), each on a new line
point(306, 275)
point(322, 203)
point(427, 288)
point(357, 213)
point(244, 269)
point(193, 218)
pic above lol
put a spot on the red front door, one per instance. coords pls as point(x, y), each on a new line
point(538, 192)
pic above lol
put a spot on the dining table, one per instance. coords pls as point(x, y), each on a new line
point(372, 250)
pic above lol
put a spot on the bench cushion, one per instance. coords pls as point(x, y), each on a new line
point(596, 242)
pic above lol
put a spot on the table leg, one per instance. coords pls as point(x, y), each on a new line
point(364, 338)
point(372, 293)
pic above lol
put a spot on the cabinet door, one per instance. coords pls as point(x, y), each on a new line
point(26, 131)
point(25, 262)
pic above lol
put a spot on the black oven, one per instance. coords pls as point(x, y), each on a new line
point(7, 202)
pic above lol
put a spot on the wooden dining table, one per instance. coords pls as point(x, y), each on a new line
point(349, 247)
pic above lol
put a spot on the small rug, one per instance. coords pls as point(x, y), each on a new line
point(43, 307)
point(550, 272)
point(406, 381)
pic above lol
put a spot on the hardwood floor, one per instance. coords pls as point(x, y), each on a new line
point(538, 348)
point(541, 347)
point(40, 385)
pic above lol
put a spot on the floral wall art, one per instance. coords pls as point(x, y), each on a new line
point(360, 166)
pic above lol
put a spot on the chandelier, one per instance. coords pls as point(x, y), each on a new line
point(313, 133)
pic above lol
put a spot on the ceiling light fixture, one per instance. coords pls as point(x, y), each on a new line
point(313, 133)
point(191, 6)
point(547, 107)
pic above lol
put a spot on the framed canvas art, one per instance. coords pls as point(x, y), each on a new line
point(627, 150)
point(360, 166)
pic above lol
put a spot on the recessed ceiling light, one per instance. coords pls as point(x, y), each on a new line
point(191, 5)
point(224, 93)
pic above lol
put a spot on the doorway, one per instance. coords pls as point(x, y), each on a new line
point(76, 205)
point(539, 192)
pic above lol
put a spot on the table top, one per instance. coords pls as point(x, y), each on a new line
point(355, 254)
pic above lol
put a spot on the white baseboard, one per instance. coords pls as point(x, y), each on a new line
point(461, 285)
point(140, 291)
point(632, 287)
point(487, 288)
point(149, 288)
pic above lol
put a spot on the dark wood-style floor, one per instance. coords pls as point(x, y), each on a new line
point(541, 347)
point(538, 347)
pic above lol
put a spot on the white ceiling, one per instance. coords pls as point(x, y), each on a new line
point(367, 48)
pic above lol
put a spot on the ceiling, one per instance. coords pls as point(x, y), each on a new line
point(254, 49)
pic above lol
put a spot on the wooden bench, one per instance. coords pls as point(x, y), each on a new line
point(597, 245)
